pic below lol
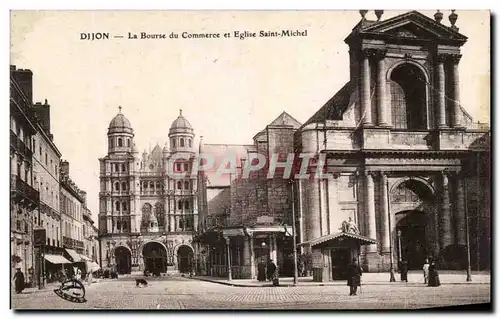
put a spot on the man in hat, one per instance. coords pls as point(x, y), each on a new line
point(354, 273)
point(19, 280)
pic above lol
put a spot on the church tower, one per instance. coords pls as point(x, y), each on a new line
point(115, 209)
point(179, 163)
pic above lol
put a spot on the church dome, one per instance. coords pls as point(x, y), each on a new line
point(181, 125)
point(120, 124)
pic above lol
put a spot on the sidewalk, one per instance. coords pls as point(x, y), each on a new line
point(414, 278)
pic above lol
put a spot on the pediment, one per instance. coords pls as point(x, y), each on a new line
point(414, 25)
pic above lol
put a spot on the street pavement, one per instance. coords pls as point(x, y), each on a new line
point(186, 293)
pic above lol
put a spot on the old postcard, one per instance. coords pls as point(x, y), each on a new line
point(250, 159)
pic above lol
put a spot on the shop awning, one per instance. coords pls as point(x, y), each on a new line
point(338, 237)
point(56, 259)
point(92, 266)
point(83, 257)
point(74, 255)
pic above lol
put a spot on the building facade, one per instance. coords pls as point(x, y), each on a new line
point(46, 158)
point(147, 216)
point(90, 235)
point(24, 198)
point(393, 153)
point(248, 219)
point(405, 161)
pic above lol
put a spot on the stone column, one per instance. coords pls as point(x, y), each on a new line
point(370, 210)
point(441, 90)
point(381, 90)
point(333, 201)
point(460, 212)
point(252, 257)
point(195, 222)
point(457, 111)
point(228, 251)
point(324, 207)
point(274, 249)
point(173, 227)
point(366, 108)
point(312, 212)
point(445, 235)
point(384, 211)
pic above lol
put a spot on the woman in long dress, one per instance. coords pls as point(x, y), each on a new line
point(433, 275)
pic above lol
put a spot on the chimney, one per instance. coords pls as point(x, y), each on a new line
point(43, 114)
point(64, 166)
point(24, 79)
point(83, 194)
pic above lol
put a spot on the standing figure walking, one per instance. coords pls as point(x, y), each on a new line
point(426, 271)
point(19, 281)
point(433, 275)
point(271, 268)
point(404, 270)
point(354, 274)
point(261, 271)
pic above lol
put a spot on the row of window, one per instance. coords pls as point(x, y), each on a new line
point(120, 142)
point(69, 207)
point(52, 164)
point(182, 143)
point(118, 167)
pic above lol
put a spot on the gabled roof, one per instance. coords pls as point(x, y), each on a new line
point(362, 240)
point(412, 24)
point(335, 107)
point(286, 119)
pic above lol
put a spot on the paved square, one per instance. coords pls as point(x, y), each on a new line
point(184, 293)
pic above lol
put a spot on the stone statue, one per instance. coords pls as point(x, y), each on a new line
point(349, 227)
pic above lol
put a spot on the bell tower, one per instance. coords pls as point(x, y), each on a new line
point(406, 71)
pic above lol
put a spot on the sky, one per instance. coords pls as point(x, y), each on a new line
point(228, 89)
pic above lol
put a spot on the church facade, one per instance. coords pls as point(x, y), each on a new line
point(405, 161)
point(405, 169)
point(147, 216)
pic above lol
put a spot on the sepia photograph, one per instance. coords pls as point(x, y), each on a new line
point(250, 160)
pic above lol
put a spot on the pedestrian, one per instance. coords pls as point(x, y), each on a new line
point(261, 271)
point(354, 273)
point(271, 268)
point(19, 281)
point(275, 276)
point(78, 274)
point(433, 275)
point(404, 270)
point(426, 271)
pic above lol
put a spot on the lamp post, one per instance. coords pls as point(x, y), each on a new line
point(295, 268)
point(399, 245)
point(391, 270)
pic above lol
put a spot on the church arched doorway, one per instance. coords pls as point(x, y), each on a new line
point(185, 259)
point(123, 259)
point(155, 257)
point(414, 225)
point(412, 236)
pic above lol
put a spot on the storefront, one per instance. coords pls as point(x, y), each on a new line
point(332, 253)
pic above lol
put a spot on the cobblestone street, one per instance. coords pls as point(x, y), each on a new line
point(184, 293)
